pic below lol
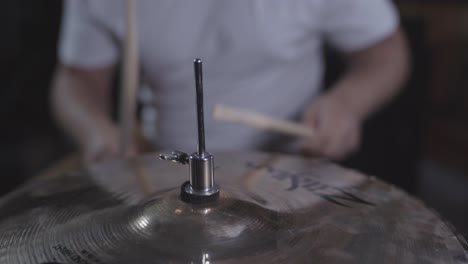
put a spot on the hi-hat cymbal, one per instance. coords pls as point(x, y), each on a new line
point(272, 209)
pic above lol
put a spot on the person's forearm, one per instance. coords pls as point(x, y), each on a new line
point(374, 77)
point(80, 105)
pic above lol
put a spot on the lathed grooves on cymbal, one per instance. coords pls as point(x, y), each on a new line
point(272, 209)
point(164, 226)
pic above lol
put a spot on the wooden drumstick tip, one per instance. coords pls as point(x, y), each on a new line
point(225, 113)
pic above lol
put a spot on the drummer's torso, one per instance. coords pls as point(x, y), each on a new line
point(261, 55)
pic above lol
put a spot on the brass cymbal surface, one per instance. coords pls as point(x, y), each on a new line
point(272, 208)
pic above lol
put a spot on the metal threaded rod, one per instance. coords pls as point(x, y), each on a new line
point(200, 112)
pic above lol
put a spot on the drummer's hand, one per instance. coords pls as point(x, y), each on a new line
point(103, 144)
point(336, 128)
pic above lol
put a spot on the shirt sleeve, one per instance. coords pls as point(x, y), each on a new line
point(351, 25)
point(82, 41)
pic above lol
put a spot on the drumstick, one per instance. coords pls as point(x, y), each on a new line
point(141, 177)
point(128, 94)
point(225, 113)
point(129, 84)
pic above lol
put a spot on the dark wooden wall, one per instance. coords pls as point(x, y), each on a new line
point(29, 141)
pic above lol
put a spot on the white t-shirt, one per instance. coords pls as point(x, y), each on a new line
point(261, 55)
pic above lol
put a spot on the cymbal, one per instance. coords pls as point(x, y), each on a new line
point(272, 209)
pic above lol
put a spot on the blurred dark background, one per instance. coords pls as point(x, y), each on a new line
point(419, 142)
